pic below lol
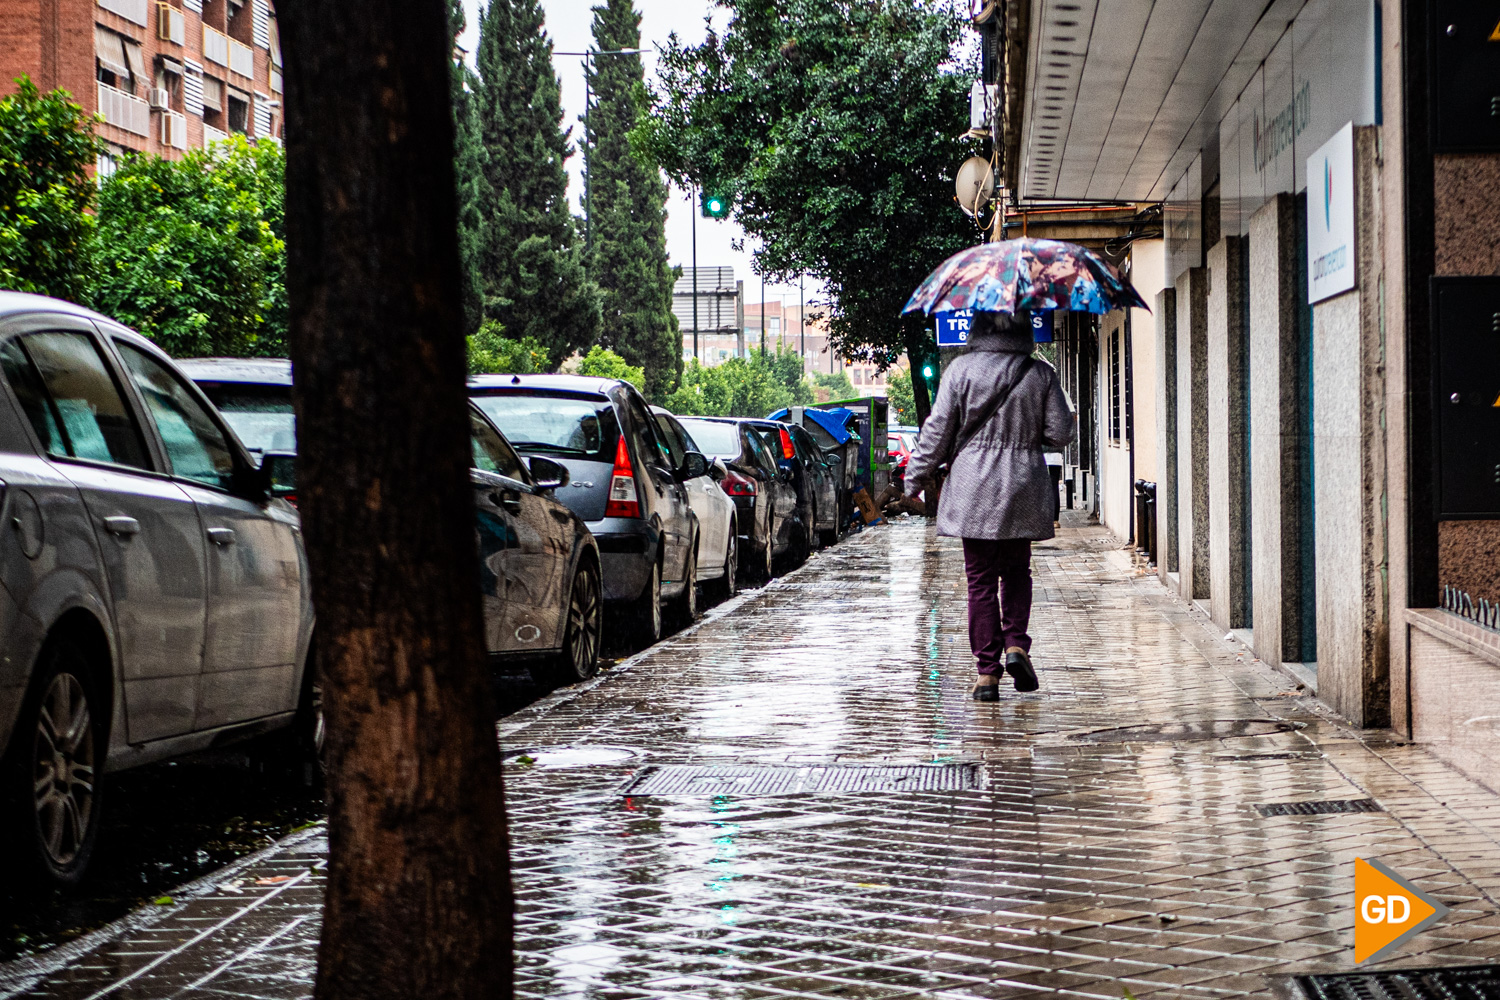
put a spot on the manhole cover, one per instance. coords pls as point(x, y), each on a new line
point(1322, 808)
point(790, 780)
point(1165, 732)
point(1470, 982)
point(586, 756)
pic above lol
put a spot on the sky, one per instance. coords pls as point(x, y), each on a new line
point(568, 24)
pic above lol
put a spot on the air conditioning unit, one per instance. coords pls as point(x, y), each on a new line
point(161, 99)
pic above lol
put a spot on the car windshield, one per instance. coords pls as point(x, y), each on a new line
point(260, 414)
point(713, 438)
point(555, 424)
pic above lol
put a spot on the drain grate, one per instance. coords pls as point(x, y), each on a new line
point(1472, 982)
point(1163, 732)
point(1322, 808)
point(797, 780)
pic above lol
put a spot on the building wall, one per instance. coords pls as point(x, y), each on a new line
point(1148, 273)
point(53, 41)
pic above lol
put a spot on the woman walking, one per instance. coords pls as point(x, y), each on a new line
point(998, 409)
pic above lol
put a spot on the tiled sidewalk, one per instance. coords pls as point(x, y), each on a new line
point(1086, 863)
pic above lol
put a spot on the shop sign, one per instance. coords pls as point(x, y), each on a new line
point(1331, 261)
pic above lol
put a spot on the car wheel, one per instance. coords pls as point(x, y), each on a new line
point(579, 659)
point(729, 583)
point(58, 753)
point(685, 607)
point(766, 564)
point(645, 611)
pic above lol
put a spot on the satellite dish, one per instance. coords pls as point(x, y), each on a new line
point(975, 185)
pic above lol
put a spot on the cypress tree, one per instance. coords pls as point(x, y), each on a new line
point(468, 166)
point(531, 265)
point(627, 252)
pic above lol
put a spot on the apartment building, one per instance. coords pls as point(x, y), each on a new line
point(165, 75)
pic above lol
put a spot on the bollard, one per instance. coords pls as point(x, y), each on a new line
point(1145, 518)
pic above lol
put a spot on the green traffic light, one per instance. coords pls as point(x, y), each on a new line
point(927, 371)
point(714, 206)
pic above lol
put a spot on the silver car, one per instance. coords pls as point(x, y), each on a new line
point(153, 595)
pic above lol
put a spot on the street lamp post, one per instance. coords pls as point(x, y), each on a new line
point(588, 99)
point(693, 198)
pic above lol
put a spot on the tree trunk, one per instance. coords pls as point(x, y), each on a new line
point(419, 899)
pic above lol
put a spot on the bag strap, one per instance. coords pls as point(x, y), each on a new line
point(995, 405)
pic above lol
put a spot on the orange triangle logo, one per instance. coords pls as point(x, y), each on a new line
point(1497, 401)
point(1387, 910)
point(1495, 35)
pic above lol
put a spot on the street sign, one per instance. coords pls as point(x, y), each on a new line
point(1331, 261)
point(953, 328)
point(1041, 327)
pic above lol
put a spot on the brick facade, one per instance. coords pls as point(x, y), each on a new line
point(195, 53)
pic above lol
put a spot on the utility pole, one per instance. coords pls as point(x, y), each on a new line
point(693, 195)
point(763, 319)
point(802, 320)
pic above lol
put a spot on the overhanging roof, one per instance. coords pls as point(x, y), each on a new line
point(1122, 94)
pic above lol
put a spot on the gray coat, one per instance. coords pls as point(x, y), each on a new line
point(998, 487)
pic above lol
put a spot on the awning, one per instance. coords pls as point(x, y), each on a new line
point(110, 50)
point(170, 65)
point(135, 58)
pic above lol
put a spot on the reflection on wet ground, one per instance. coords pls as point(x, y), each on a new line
point(1111, 840)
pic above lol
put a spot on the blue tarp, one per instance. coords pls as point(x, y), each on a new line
point(831, 420)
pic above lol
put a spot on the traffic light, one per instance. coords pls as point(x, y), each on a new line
point(929, 373)
point(715, 206)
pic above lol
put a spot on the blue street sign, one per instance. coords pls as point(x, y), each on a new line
point(1041, 326)
point(953, 328)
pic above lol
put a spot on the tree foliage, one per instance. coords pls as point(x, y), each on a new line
point(47, 144)
point(836, 124)
point(468, 170)
point(627, 198)
point(601, 362)
point(531, 267)
point(491, 352)
point(898, 392)
point(754, 386)
point(191, 252)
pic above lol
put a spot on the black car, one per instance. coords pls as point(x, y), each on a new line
point(762, 491)
point(823, 478)
point(624, 484)
point(539, 566)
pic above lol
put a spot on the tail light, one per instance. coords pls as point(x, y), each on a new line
point(623, 499)
point(737, 485)
point(787, 451)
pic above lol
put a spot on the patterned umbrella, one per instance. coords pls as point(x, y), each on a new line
point(1024, 275)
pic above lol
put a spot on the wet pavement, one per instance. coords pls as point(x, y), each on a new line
point(692, 824)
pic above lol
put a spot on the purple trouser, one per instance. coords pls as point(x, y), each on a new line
point(999, 575)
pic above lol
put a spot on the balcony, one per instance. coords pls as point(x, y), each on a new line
point(241, 59)
point(124, 111)
point(212, 135)
point(130, 10)
point(215, 46)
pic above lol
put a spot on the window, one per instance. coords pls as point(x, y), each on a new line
point(213, 94)
point(260, 414)
point(555, 424)
point(491, 453)
point(1116, 376)
point(671, 444)
point(714, 438)
point(758, 449)
point(647, 444)
point(196, 447)
point(239, 113)
point(72, 400)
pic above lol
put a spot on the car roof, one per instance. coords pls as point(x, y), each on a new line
point(555, 383)
point(258, 371)
point(13, 303)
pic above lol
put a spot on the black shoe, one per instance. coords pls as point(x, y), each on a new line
point(987, 692)
point(1018, 665)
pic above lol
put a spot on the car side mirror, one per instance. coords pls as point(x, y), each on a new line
point(278, 475)
point(718, 471)
point(694, 464)
point(545, 473)
point(835, 459)
point(760, 475)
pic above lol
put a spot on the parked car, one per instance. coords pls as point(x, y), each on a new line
point(718, 542)
point(824, 478)
point(624, 484)
point(764, 498)
point(153, 593)
point(806, 476)
point(900, 443)
point(539, 566)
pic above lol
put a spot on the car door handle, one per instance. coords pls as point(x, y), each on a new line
point(122, 526)
point(221, 536)
point(509, 499)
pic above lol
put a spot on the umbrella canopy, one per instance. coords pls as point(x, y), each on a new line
point(1024, 275)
